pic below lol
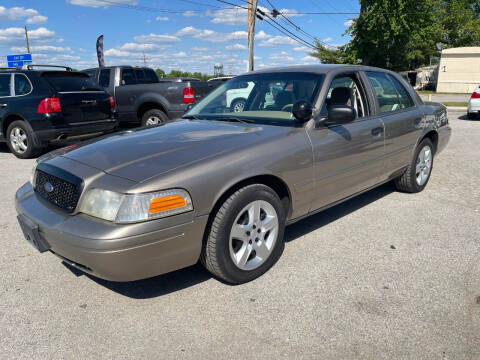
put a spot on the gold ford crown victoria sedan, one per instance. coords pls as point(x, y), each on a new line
point(221, 184)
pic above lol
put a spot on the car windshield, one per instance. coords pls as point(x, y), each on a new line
point(262, 98)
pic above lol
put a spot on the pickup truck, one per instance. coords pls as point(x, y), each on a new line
point(140, 97)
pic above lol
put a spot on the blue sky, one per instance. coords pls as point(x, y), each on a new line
point(191, 35)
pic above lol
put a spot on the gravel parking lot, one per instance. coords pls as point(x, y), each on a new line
point(385, 275)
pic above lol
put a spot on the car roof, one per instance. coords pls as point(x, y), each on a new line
point(221, 78)
point(317, 69)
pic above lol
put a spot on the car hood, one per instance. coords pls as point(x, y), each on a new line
point(141, 154)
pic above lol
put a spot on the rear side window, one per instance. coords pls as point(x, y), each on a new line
point(140, 76)
point(5, 84)
point(65, 81)
point(22, 85)
point(388, 99)
point(405, 99)
point(150, 76)
point(128, 78)
point(104, 79)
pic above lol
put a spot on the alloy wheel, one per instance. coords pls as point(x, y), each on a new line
point(253, 235)
point(19, 140)
point(424, 165)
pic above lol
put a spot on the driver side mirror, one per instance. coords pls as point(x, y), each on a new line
point(302, 110)
point(340, 114)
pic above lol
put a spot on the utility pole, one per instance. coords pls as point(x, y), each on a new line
point(252, 15)
point(144, 60)
point(26, 39)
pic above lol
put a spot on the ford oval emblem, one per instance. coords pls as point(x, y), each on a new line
point(48, 187)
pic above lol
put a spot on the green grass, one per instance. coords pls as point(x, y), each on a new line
point(453, 103)
point(431, 92)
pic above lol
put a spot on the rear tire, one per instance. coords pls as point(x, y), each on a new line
point(472, 116)
point(238, 105)
point(153, 117)
point(238, 225)
point(20, 140)
point(417, 175)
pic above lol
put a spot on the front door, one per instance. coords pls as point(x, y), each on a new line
point(348, 158)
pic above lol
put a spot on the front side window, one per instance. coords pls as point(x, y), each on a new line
point(387, 96)
point(104, 79)
point(264, 98)
point(5, 84)
point(345, 90)
point(128, 78)
point(22, 85)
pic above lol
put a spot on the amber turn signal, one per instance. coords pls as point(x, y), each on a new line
point(166, 203)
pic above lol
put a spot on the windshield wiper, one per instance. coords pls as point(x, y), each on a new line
point(233, 119)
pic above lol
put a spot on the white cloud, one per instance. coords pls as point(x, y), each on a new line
point(301, 48)
point(236, 47)
point(328, 39)
point(276, 41)
point(262, 35)
point(283, 56)
point(290, 12)
point(189, 13)
point(17, 13)
point(16, 35)
point(142, 47)
point(199, 49)
point(210, 35)
point(49, 49)
point(157, 38)
point(310, 59)
point(348, 23)
point(104, 3)
point(161, 18)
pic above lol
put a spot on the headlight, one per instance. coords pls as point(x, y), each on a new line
point(127, 208)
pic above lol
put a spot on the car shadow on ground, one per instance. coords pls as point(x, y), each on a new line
point(196, 274)
point(465, 117)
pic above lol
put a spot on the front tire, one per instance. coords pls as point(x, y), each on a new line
point(238, 105)
point(245, 238)
point(153, 117)
point(20, 140)
point(417, 175)
point(471, 115)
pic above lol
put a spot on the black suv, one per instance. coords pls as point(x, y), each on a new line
point(38, 107)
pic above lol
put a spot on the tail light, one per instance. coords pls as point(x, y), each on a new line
point(188, 96)
point(475, 95)
point(49, 106)
point(112, 103)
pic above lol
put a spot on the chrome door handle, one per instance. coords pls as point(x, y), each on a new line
point(377, 132)
point(3, 105)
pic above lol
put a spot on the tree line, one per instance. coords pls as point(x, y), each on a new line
point(179, 73)
point(405, 34)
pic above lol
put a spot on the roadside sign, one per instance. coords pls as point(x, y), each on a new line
point(19, 60)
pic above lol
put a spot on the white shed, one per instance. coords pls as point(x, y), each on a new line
point(459, 70)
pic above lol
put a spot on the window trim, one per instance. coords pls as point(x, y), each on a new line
point(13, 82)
point(390, 77)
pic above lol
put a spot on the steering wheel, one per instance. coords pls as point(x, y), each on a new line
point(285, 108)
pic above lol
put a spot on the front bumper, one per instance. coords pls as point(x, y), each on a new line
point(115, 252)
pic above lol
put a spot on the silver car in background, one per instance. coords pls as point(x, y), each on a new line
point(220, 186)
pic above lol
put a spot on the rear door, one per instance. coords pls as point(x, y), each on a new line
point(81, 99)
point(125, 94)
point(401, 117)
point(5, 94)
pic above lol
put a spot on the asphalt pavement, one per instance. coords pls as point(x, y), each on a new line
point(386, 275)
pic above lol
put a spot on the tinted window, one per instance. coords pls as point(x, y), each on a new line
point(386, 94)
point(150, 76)
point(405, 99)
point(104, 79)
point(22, 85)
point(90, 73)
point(4, 84)
point(63, 81)
point(128, 78)
point(140, 76)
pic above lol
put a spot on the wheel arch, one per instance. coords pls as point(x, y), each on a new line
point(10, 118)
point(272, 181)
point(149, 105)
point(433, 136)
